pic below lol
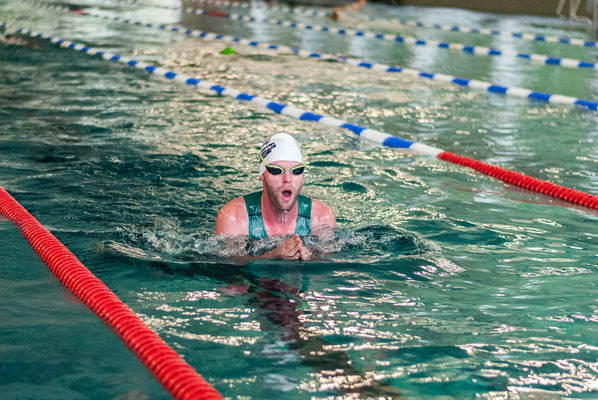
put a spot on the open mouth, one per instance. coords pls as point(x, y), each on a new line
point(286, 195)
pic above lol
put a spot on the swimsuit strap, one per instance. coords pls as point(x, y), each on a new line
point(253, 203)
point(303, 216)
point(257, 229)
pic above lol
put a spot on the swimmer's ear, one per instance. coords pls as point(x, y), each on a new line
point(262, 177)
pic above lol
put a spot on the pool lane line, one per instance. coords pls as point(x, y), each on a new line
point(512, 177)
point(473, 50)
point(179, 379)
point(471, 83)
point(411, 23)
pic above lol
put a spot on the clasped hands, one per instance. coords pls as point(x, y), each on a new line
point(290, 249)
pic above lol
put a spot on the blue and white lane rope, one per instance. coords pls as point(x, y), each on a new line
point(279, 108)
point(474, 50)
point(416, 24)
point(471, 83)
point(512, 177)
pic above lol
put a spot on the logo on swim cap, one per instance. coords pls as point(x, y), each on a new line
point(280, 147)
point(267, 148)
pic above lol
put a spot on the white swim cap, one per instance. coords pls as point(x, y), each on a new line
point(280, 147)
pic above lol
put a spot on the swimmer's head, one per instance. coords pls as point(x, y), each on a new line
point(280, 147)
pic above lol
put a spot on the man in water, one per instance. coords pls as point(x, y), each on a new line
point(336, 13)
point(16, 40)
point(279, 209)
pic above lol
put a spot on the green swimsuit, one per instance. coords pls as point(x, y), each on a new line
point(257, 229)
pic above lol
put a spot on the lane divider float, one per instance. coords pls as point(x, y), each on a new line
point(474, 50)
point(515, 178)
point(410, 23)
point(470, 83)
point(167, 366)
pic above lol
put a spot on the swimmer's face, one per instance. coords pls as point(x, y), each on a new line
point(283, 189)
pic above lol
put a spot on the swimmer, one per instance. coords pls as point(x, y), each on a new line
point(279, 209)
point(16, 40)
point(79, 11)
point(336, 13)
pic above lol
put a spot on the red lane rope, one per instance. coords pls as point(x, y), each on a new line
point(167, 366)
point(524, 181)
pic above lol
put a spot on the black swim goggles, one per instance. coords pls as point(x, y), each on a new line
point(277, 170)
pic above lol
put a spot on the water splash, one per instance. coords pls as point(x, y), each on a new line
point(380, 245)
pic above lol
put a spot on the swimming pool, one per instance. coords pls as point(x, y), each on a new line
point(445, 282)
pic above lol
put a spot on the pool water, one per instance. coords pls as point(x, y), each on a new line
point(441, 282)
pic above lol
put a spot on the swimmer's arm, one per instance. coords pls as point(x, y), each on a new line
point(321, 216)
point(323, 222)
point(232, 219)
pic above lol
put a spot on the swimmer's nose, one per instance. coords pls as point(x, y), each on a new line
point(286, 176)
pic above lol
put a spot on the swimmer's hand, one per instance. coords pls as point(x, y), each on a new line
point(290, 249)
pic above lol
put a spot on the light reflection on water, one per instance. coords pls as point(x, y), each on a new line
point(389, 322)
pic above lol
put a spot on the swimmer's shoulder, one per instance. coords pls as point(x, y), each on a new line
point(232, 219)
point(321, 215)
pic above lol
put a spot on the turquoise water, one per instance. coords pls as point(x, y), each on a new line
point(442, 283)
